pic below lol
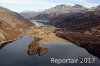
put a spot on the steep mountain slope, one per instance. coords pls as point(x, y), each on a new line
point(83, 29)
point(63, 9)
point(78, 21)
point(11, 24)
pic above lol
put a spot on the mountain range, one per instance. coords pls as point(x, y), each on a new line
point(77, 24)
point(55, 11)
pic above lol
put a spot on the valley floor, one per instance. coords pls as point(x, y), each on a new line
point(45, 33)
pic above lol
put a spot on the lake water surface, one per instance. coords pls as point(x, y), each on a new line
point(15, 53)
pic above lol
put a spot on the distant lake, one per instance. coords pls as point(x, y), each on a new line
point(41, 24)
point(15, 53)
point(38, 24)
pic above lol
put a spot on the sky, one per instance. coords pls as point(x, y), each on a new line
point(35, 5)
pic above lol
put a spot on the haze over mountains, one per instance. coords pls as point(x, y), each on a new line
point(57, 10)
point(11, 24)
point(28, 14)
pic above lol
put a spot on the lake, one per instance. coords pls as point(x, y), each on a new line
point(15, 53)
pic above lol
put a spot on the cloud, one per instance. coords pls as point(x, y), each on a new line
point(28, 2)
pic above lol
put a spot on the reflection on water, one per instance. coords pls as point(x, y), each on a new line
point(35, 48)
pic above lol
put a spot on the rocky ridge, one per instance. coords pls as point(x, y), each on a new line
point(62, 9)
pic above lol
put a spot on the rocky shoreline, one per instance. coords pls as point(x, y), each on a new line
point(8, 41)
point(3, 43)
